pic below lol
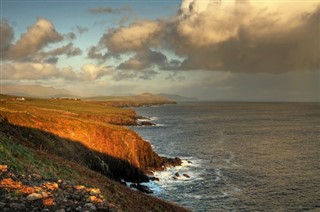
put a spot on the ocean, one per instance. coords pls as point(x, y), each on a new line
point(239, 156)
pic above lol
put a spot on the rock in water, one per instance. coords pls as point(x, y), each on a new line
point(186, 175)
point(146, 123)
point(142, 188)
point(154, 178)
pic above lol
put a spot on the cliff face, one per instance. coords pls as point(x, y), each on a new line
point(86, 136)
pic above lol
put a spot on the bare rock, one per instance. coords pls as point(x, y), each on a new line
point(79, 187)
point(3, 168)
point(90, 206)
point(44, 194)
point(34, 196)
point(94, 199)
point(95, 191)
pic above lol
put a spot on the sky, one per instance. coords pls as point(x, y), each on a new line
point(219, 50)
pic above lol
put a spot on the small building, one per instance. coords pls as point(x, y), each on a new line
point(20, 99)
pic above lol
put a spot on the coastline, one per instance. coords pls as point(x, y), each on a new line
point(39, 126)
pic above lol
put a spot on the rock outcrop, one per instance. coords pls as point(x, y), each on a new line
point(34, 193)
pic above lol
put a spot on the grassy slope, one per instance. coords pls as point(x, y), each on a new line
point(16, 152)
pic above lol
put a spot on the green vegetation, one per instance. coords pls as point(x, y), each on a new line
point(26, 161)
point(3, 97)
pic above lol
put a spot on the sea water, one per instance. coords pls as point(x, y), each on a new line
point(239, 156)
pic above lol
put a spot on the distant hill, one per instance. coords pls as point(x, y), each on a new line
point(35, 91)
point(178, 98)
point(145, 97)
point(4, 97)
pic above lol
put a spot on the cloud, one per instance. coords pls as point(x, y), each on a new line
point(6, 37)
point(119, 75)
point(38, 36)
point(69, 50)
point(94, 53)
point(135, 37)
point(175, 77)
point(52, 60)
point(28, 48)
point(70, 36)
point(236, 36)
point(148, 75)
point(144, 59)
point(80, 29)
point(93, 72)
point(109, 10)
point(246, 38)
point(47, 71)
point(289, 86)
point(29, 71)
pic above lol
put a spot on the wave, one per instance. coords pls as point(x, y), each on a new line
point(143, 119)
point(153, 118)
point(188, 172)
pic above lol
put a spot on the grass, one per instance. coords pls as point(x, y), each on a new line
point(88, 111)
point(26, 161)
point(71, 106)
